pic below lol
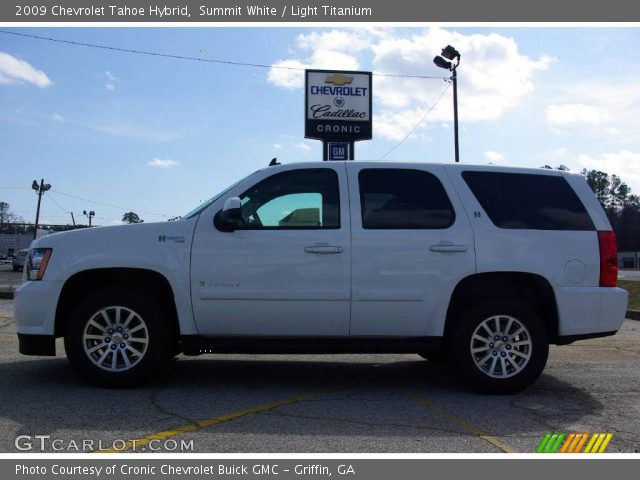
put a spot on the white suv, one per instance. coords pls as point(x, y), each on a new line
point(480, 266)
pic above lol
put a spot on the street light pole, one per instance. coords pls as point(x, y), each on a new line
point(89, 214)
point(449, 54)
point(39, 189)
point(454, 80)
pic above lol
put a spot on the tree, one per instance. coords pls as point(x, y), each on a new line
point(621, 206)
point(131, 217)
point(599, 183)
point(6, 216)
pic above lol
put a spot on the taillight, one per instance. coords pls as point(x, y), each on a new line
point(608, 259)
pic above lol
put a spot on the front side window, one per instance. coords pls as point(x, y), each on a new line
point(298, 199)
point(403, 199)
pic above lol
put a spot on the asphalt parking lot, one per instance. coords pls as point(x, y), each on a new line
point(321, 403)
point(9, 280)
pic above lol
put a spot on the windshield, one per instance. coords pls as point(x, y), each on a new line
point(200, 208)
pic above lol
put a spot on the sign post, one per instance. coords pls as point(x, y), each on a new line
point(338, 110)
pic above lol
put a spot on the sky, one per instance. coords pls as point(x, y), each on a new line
point(115, 132)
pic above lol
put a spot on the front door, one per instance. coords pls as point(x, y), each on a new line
point(286, 269)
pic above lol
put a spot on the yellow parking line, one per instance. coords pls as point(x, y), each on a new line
point(466, 426)
point(194, 427)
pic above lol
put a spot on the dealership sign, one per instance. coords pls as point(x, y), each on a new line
point(337, 105)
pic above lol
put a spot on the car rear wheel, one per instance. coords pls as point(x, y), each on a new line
point(118, 337)
point(500, 347)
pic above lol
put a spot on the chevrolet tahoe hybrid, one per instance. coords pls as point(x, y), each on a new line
point(481, 266)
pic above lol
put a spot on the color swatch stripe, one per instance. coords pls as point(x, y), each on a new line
point(559, 442)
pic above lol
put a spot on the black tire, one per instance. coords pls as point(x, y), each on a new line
point(467, 366)
point(438, 356)
point(159, 333)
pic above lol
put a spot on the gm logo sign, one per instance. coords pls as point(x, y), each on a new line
point(338, 150)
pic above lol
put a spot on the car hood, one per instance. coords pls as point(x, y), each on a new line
point(119, 236)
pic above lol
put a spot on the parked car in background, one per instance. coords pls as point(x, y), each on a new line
point(19, 260)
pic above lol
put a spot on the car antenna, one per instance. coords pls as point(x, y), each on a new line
point(274, 161)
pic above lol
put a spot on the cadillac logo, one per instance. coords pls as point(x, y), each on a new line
point(338, 102)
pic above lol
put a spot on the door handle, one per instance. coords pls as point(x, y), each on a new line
point(448, 248)
point(323, 249)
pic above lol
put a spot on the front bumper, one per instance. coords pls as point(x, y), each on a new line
point(35, 307)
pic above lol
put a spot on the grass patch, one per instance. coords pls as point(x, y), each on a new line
point(634, 293)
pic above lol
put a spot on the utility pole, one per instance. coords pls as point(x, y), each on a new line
point(39, 189)
point(73, 220)
point(90, 214)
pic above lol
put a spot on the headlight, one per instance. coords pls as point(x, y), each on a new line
point(37, 262)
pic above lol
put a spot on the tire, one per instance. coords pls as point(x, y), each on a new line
point(142, 347)
point(499, 366)
point(437, 356)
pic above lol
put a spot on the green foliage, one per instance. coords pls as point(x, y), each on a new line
point(131, 217)
point(621, 206)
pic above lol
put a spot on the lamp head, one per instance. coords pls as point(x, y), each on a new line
point(450, 53)
point(442, 63)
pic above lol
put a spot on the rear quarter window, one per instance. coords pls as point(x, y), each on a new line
point(528, 201)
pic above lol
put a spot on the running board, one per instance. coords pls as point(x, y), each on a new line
point(198, 345)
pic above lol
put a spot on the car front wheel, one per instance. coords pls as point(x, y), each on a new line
point(118, 337)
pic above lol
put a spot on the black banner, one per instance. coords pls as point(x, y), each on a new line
point(317, 11)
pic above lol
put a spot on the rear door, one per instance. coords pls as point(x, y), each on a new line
point(411, 244)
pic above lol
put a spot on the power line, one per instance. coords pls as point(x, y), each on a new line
point(194, 59)
point(110, 205)
point(90, 201)
point(419, 123)
point(58, 205)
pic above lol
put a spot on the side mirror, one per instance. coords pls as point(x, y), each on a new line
point(225, 219)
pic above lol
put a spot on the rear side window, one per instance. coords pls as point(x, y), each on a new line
point(403, 199)
point(525, 201)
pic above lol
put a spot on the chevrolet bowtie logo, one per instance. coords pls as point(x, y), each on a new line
point(338, 79)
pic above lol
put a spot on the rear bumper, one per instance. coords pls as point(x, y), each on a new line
point(43, 345)
point(588, 312)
